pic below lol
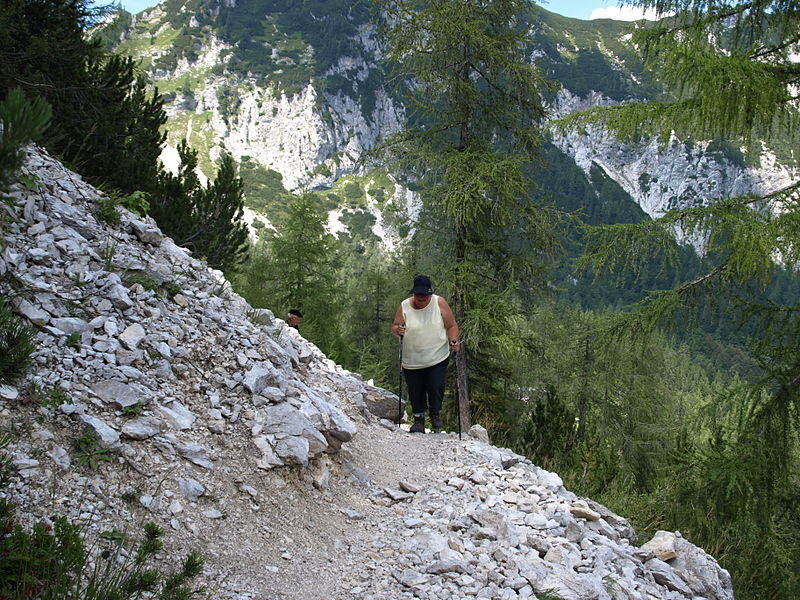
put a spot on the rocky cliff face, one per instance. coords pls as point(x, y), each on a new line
point(660, 179)
point(230, 430)
point(311, 136)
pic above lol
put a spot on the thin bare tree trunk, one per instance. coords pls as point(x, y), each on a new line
point(462, 385)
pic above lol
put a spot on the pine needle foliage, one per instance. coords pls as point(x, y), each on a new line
point(207, 220)
point(16, 346)
point(733, 74)
point(21, 121)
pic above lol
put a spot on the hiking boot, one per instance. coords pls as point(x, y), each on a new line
point(418, 426)
point(436, 422)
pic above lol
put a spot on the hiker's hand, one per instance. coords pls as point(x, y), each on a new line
point(455, 345)
point(399, 329)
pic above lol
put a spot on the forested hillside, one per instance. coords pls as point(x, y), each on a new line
point(610, 213)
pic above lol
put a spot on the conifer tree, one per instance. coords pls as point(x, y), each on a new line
point(21, 121)
point(105, 122)
point(221, 234)
point(475, 112)
point(206, 220)
point(733, 69)
point(295, 267)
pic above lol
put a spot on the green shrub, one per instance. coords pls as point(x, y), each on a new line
point(55, 398)
point(137, 202)
point(74, 340)
point(89, 452)
point(21, 121)
point(52, 563)
point(16, 346)
point(106, 211)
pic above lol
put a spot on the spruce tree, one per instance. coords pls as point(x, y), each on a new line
point(221, 233)
point(296, 267)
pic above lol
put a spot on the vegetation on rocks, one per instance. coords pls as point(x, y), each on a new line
point(16, 346)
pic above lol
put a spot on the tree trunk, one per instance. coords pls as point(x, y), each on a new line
point(462, 379)
point(462, 386)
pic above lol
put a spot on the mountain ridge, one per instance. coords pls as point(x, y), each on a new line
point(313, 106)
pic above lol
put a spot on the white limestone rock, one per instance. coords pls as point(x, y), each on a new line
point(142, 428)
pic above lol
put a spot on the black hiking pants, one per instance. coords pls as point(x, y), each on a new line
point(426, 387)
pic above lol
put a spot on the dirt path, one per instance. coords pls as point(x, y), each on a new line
point(304, 542)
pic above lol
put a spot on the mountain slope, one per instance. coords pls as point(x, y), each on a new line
point(242, 440)
point(297, 92)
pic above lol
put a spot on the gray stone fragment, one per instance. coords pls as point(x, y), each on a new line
point(195, 453)
point(397, 495)
point(8, 392)
point(448, 566)
point(662, 545)
point(145, 233)
point(163, 370)
point(163, 349)
point(25, 463)
point(581, 509)
point(132, 336)
point(600, 526)
point(293, 450)
point(143, 428)
point(118, 393)
point(479, 433)
point(701, 571)
point(411, 578)
point(273, 394)
point(259, 377)
point(666, 576)
point(108, 437)
point(118, 296)
point(285, 418)
point(317, 442)
point(70, 325)
point(61, 457)
point(177, 415)
point(382, 403)
point(35, 315)
point(131, 372)
point(249, 490)
point(411, 488)
point(190, 488)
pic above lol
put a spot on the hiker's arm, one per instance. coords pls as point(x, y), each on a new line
point(450, 325)
point(399, 324)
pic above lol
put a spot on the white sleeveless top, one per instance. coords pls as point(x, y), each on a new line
point(425, 342)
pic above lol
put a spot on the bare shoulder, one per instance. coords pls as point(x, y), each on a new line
point(444, 306)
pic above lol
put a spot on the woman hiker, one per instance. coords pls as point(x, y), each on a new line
point(429, 333)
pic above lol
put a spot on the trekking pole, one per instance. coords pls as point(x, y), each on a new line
point(458, 410)
point(400, 395)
